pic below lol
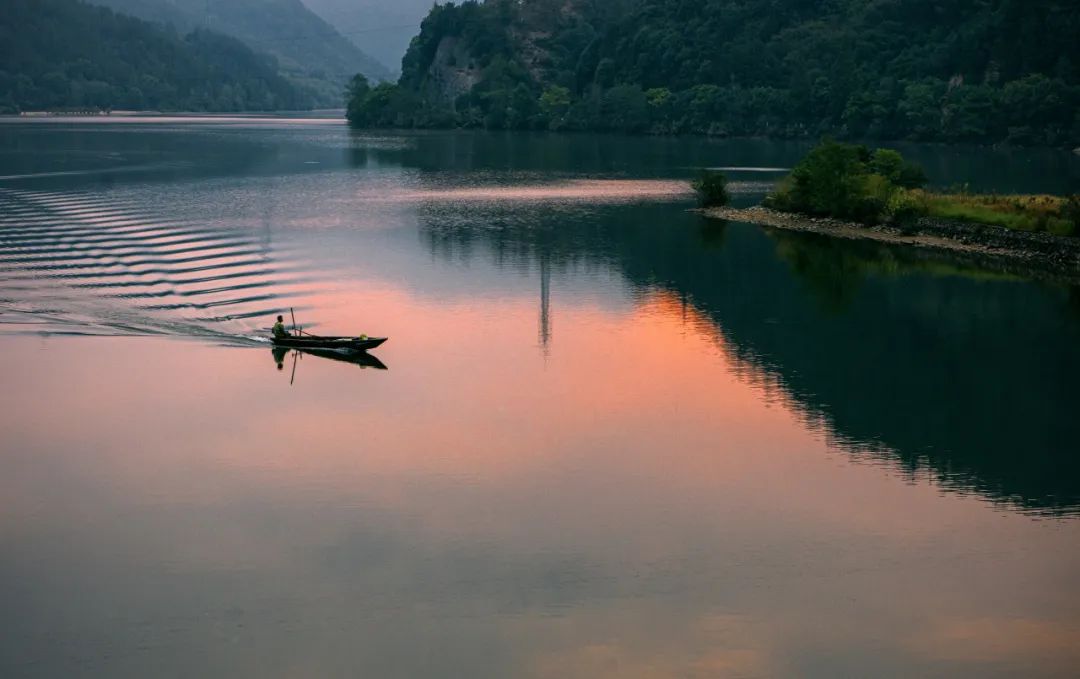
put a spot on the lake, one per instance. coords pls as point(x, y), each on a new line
point(607, 436)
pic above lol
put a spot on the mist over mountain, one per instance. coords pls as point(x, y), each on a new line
point(382, 28)
point(68, 54)
point(310, 52)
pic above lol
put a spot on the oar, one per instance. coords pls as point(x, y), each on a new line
point(299, 331)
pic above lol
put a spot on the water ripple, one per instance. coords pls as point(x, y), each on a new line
point(79, 263)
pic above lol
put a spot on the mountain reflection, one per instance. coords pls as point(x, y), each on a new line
point(945, 369)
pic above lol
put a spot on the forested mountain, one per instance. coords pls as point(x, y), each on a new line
point(958, 70)
point(309, 51)
point(68, 54)
point(382, 28)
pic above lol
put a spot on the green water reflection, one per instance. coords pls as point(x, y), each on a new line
point(965, 372)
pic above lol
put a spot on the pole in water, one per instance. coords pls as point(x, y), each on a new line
point(293, 318)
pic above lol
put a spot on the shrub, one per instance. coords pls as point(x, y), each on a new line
point(904, 206)
point(891, 165)
point(872, 198)
point(711, 188)
point(1070, 211)
point(1061, 227)
point(847, 181)
point(781, 198)
point(829, 180)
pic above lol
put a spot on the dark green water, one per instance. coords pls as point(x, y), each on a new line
point(612, 439)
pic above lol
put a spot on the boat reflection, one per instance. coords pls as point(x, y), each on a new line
point(361, 359)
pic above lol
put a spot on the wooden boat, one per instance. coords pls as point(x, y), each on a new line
point(343, 344)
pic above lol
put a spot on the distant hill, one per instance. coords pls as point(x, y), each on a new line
point(309, 51)
point(382, 28)
point(957, 71)
point(68, 54)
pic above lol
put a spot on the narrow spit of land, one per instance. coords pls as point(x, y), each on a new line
point(851, 191)
point(1042, 254)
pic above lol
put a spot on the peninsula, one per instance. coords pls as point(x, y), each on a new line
point(849, 191)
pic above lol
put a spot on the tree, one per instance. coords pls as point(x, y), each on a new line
point(356, 94)
point(711, 188)
point(847, 181)
point(625, 108)
point(554, 104)
point(891, 165)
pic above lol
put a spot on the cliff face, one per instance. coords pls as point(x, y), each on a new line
point(454, 69)
point(488, 37)
point(452, 73)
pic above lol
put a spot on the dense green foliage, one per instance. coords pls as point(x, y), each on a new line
point(385, 105)
point(852, 182)
point(966, 70)
point(848, 182)
point(711, 188)
point(310, 52)
point(62, 54)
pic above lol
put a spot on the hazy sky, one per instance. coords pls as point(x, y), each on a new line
point(382, 28)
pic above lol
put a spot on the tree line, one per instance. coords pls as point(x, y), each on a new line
point(962, 71)
point(310, 53)
point(59, 54)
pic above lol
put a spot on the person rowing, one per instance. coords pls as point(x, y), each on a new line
point(279, 328)
point(298, 339)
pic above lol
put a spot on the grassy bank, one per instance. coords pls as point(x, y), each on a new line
point(853, 183)
point(1053, 214)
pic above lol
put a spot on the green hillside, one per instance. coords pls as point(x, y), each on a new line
point(68, 54)
point(957, 71)
point(309, 51)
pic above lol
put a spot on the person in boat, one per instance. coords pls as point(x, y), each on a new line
point(279, 328)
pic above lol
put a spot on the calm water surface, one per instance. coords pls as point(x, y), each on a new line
point(606, 437)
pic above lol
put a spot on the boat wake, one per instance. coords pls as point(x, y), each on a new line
point(81, 263)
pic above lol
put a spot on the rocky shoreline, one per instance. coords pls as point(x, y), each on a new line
point(1032, 253)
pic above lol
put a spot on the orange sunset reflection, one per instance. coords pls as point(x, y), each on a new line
point(635, 461)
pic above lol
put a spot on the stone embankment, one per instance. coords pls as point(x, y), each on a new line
point(1046, 252)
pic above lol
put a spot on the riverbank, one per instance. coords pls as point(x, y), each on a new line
point(335, 114)
point(1041, 254)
